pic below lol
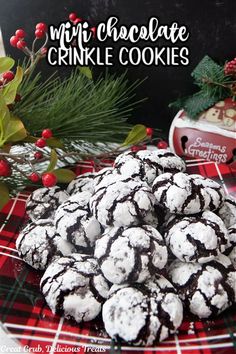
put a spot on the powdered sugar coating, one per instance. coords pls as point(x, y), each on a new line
point(39, 243)
point(147, 164)
point(143, 313)
point(82, 183)
point(75, 222)
point(43, 202)
point(73, 286)
point(102, 175)
point(197, 238)
point(187, 194)
point(131, 255)
point(231, 250)
point(206, 289)
point(124, 203)
point(227, 211)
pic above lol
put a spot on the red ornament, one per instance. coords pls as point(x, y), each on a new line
point(49, 179)
point(72, 16)
point(41, 26)
point(20, 33)
point(8, 76)
point(230, 67)
point(14, 40)
point(39, 33)
point(34, 177)
point(21, 44)
point(149, 131)
point(41, 143)
point(47, 133)
point(5, 169)
point(38, 155)
point(162, 144)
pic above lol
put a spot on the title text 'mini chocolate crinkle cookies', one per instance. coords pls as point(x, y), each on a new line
point(187, 194)
point(197, 238)
point(131, 255)
point(143, 314)
point(75, 222)
point(206, 289)
point(43, 202)
point(39, 243)
point(73, 286)
point(124, 203)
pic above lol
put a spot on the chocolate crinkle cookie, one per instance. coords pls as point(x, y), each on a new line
point(206, 289)
point(143, 314)
point(38, 244)
point(227, 211)
point(82, 183)
point(187, 194)
point(231, 250)
point(198, 238)
point(131, 255)
point(74, 287)
point(76, 224)
point(124, 203)
point(146, 164)
point(43, 202)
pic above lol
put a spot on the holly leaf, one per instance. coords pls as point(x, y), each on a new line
point(53, 161)
point(9, 91)
point(64, 175)
point(55, 143)
point(6, 64)
point(15, 130)
point(84, 70)
point(4, 194)
point(4, 119)
point(136, 135)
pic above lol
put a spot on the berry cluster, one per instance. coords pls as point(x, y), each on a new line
point(230, 67)
point(75, 20)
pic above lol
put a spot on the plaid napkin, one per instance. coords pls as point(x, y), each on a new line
point(28, 320)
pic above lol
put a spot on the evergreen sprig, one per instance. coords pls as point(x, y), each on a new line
point(78, 108)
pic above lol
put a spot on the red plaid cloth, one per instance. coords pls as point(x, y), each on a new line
point(28, 320)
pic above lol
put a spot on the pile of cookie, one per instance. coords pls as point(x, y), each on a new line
point(142, 242)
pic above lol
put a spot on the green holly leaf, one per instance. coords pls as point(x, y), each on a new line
point(64, 175)
point(6, 64)
point(55, 143)
point(9, 91)
point(4, 194)
point(136, 135)
point(86, 72)
point(53, 161)
point(4, 119)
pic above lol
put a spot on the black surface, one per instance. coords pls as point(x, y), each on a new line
point(212, 26)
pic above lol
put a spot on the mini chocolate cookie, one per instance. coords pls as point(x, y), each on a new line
point(231, 250)
point(43, 202)
point(187, 194)
point(73, 286)
point(227, 211)
point(124, 203)
point(206, 289)
point(198, 238)
point(131, 255)
point(147, 164)
point(82, 183)
point(102, 174)
point(143, 314)
point(38, 244)
point(76, 224)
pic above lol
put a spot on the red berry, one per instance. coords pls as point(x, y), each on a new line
point(49, 179)
point(8, 76)
point(21, 44)
point(38, 155)
point(39, 33)
point(47, 133)
point(94, 30)
point(20, 33)
point(72, 16)
point(14, 40)
point(77, 20)
point(41, 26)
point(162, 144)
point(149, 131)
point(5, 169)
point(134, 148)
point(41, 143)
point(44, 50)
point(34, 177)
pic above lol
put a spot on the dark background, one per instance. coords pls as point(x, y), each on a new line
point(212, 25)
